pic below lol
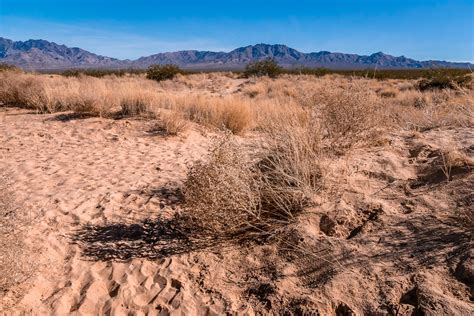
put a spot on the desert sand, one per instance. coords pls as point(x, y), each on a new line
point(388, 237)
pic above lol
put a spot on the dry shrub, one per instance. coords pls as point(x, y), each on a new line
point(173, 123)
point(425, 110)
point(232, 193)
point(388, 93)
point(137, 103)
point(83, 94)
point(289, 167)
point(351, 116)
point(236, 116)
point(24, 90)
point(130, 96)
point(452, 159)
point(222, 192)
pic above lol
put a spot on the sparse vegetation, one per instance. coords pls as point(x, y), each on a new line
point(444, 79)
point(8, 67)
point(232, 193)
point(266, 67)
point(162, 72)
point(383, 74)
point(351, 116)
point(99, 73)
point(308, 169)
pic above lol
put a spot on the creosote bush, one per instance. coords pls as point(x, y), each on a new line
point(443, 79)
point(162, 72)
point(267, 67)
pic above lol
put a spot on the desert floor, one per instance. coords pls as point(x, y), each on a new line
point(99, 197)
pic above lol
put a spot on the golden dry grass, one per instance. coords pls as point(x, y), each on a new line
point(231, 192)
point(299, 118)
point(344, 105)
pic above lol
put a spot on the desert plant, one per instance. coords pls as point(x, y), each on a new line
point(162, 72)
point(99, 73)
point(232, 193)
point(8, 67)
point(350, 117)
point(222, 192)
point(169, 123)
point(443, 79)
point(229, 113)
point(266, 67)
point(289, 167)
point(388, 93)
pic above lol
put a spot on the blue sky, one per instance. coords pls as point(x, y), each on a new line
point(427, 29)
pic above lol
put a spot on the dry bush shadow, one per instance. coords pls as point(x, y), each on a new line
point(154, 239)
point(149, 239)
point(67, 117)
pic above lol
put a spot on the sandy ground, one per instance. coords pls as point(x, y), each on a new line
point(98, 172)
point(387, 238)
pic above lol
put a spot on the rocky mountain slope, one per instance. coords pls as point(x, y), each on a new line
point(41, 54)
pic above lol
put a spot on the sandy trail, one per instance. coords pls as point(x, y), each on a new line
point(95, 171)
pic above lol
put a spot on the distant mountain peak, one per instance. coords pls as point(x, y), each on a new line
point(42, 54)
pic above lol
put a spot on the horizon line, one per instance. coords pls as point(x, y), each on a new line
point(251, 45)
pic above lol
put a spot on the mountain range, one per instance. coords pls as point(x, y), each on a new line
point(41, 55)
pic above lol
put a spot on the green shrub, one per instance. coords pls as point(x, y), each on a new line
point(381, 74)
point(267, 67)
point(442, 79)
point(162, 72)
point(99, 73)
point(8, 67)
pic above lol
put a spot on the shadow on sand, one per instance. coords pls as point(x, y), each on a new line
point(153, 239)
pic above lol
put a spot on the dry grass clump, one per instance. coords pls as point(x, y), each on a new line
point(222, 193)
point(289, 167)
point(425, 110)
point(170, 123)
point(351, 117)
point(388, 93)
point(453, 159)
point(137, 103)
point(23, 90)
point(228, 113)
point(83, 94)
point(231, 193)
